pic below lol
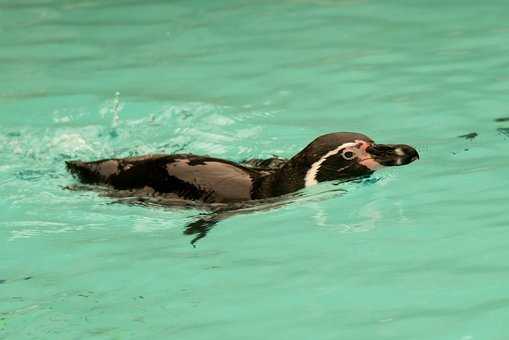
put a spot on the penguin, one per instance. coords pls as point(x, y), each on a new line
point(180, 178)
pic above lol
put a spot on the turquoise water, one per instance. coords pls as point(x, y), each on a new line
point(419, 254)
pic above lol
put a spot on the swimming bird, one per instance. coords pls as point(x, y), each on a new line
point(181, 178)
point(334, 156)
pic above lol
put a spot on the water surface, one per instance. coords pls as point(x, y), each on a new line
point(421, 253)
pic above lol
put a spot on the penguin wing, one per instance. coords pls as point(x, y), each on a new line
point(223, 181)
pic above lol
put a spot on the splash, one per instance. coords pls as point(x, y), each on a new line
point(113, 108)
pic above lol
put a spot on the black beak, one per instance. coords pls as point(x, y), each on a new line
point(393, 154)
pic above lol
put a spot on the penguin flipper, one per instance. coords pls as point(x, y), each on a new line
point(201, 226)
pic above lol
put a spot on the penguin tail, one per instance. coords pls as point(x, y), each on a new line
point(85, 172)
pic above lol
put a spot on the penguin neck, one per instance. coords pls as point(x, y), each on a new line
point(289, 178)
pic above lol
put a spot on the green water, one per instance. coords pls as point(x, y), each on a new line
point(419, 254)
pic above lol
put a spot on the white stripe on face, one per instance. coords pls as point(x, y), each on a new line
point(358, 147)
point(310, 178)
point(399, 152)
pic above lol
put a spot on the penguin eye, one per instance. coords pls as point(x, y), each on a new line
point(348, 155)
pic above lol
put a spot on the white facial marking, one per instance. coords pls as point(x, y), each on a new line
point(399, 152)
point(358, 148)
point(310, 178)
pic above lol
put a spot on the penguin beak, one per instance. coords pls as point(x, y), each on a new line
point(392, 154)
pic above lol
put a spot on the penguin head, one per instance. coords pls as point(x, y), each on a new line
point(348, 155)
